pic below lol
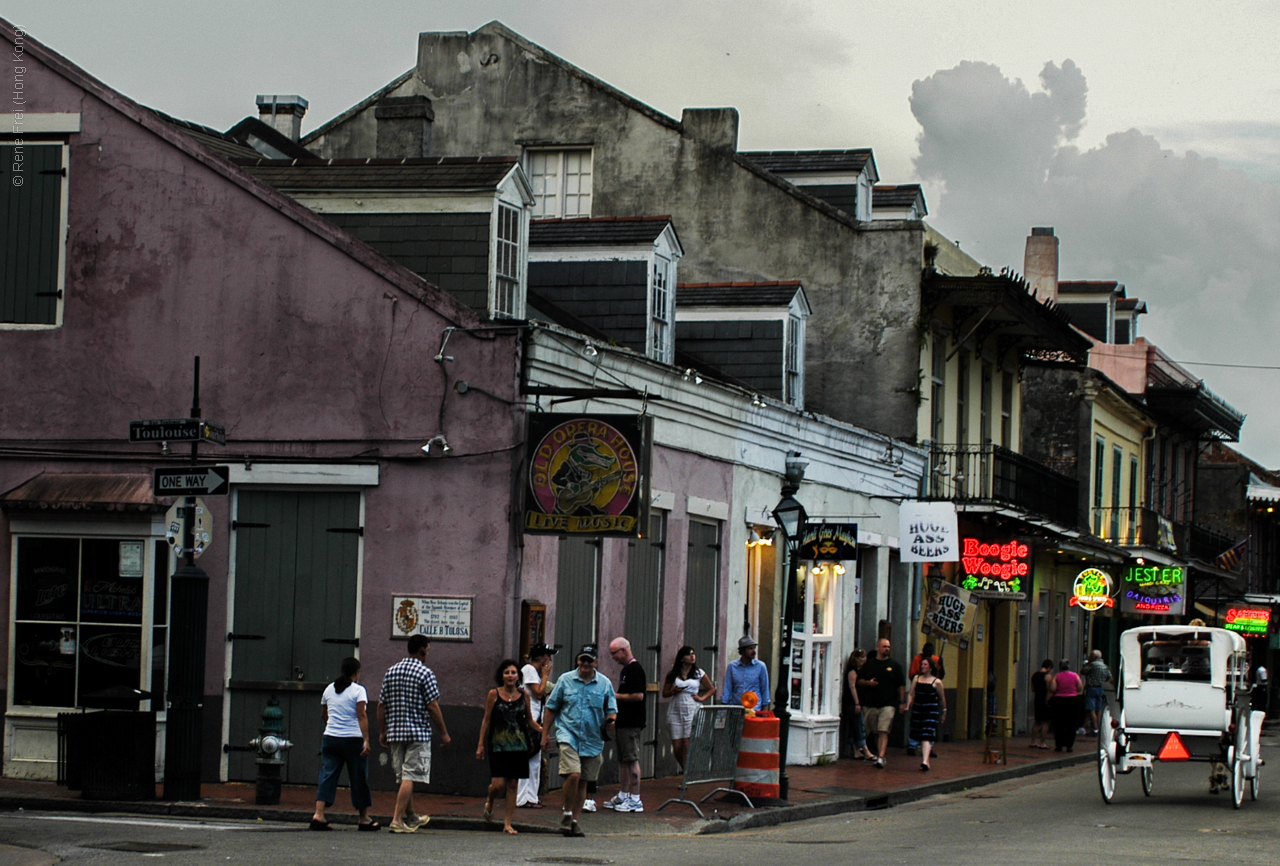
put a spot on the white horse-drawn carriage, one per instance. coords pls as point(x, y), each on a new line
point(1183, 695)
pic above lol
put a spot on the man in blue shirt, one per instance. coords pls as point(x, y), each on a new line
point(747, 674)
point(579, 709)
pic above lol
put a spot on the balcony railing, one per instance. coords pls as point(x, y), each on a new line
point(1134, 527)
point(990, 473)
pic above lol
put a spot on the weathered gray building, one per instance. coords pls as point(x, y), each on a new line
point(591, 150)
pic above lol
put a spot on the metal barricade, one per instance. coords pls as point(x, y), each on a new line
point(713, 753)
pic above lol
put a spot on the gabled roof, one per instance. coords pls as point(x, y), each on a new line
point(1089, 287)
point(221, 143)
point(438, 172)
point(597, 231)
point(902, 195)
point(397, 275)
point(763, 293)
point(796, 161)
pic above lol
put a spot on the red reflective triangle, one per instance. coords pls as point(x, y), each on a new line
point(1173, 749)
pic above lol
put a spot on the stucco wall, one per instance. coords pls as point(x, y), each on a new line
point(862, 281)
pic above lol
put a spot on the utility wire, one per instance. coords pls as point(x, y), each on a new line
point(1238, 366)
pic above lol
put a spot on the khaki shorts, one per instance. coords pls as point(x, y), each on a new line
point(411, 761)
point(571, 762)
point(879, 719)
point(629, 744)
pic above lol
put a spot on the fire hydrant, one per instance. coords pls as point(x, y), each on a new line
point(269, 746)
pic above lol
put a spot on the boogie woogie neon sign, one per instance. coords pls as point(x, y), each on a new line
point(994, 566)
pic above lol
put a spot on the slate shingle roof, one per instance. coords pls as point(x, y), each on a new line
point(902, 195)
point(789, 161)
point(1089, 286)
point(771, 293)
point(597, 231)
point(470, 172)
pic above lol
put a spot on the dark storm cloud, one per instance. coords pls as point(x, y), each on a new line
point(1199, 242)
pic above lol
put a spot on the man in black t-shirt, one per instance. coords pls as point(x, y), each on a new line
point(882, 689)
point(632, 686)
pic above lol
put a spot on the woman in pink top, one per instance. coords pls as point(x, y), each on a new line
point(1066, 703)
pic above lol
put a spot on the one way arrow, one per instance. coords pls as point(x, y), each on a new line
point(198, 481)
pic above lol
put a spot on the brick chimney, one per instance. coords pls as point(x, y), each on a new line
point(1040, 263)
point(714, 127)
point(404, 127)
point(283, 113)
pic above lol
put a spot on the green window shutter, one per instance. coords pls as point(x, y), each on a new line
point(30, 232)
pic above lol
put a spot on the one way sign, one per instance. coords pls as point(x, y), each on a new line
point(192, 481)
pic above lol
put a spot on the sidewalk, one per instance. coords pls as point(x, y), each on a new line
point(845, 786)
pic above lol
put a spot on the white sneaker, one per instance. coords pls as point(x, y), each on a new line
point(588, 805)
point(632, 804)
point(614, 802)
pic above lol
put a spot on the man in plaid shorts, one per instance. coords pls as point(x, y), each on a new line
point(409, 694)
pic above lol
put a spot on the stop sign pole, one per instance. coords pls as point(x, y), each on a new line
point(188, 625)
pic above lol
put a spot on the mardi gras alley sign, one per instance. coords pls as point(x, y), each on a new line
point(829, 542)
point(1092, 590)
point(588, 474)
point(1159, 590)
point(995, 569)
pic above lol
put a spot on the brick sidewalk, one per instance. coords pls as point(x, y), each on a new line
point(843, 786)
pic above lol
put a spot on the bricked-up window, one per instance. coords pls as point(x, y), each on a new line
point(660, 308)
point(793, 352)
point(33, 212)
point(508, 300)
point(561, 181)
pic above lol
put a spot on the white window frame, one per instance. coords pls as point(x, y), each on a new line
point(515, 255)
point(793, 360)
point(553, 203)
point(819, 687)
point(131, 531)
point(63, 231)
point(662, 310)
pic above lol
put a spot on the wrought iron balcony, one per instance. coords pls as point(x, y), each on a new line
point(993, 474)
point(1134, 527)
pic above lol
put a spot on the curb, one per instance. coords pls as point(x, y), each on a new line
point(237, 813)
point(885, 800)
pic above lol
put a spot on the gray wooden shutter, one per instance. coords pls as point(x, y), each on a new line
point(577, 590)
point(702, 584)
point(30, 232)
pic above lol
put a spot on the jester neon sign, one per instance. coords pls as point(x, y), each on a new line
point(1092, 590)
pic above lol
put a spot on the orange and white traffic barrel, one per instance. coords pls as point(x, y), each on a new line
point(758, 765)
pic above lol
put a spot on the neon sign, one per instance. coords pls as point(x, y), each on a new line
point(1153, 589)
point(1249, 620)
point(995, 569)
point(1092, 590)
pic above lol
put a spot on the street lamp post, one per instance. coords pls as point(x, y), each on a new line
point(791, 517)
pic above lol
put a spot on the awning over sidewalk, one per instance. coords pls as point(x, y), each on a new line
point(84, 492)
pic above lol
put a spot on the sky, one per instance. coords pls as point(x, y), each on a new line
point(1147, 133)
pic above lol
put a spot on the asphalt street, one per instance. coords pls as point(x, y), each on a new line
point(1056, 818)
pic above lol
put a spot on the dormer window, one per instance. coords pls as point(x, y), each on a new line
point(507, 297)
point(561, 181)
point(661, 312)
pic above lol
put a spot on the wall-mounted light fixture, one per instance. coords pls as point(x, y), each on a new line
point(437, 440)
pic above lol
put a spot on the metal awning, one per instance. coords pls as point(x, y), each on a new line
point(72, 491)
point(1261, 491)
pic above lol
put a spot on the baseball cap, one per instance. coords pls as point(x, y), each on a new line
point(540, 649)
point(745, 642)
point(588, 649)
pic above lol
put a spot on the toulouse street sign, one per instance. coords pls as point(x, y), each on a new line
point(177, 430)
point(192, 481)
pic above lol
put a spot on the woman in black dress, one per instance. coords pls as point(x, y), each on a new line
point(1043, 715)
point(927, 703)
point(510, 731)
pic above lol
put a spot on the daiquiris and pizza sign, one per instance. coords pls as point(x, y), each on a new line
point(1154, 589)
point(588, 474)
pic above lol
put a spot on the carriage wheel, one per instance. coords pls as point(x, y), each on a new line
point(1106, 766)
point(1237, 765)
point(1146, 780)
point(1253, 786)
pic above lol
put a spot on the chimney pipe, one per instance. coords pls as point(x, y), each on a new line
point(404, 127)
point(1040, 263)
point(283, 113)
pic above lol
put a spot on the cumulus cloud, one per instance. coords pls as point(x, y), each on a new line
point(1197, 241)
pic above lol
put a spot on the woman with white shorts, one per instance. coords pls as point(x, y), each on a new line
point(687, 685)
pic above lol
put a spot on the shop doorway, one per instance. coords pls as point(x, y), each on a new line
point(296, 595)
point(643, 625)
point(577, 597)
point(702, 595)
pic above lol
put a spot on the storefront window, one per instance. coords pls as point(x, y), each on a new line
point(79, 610)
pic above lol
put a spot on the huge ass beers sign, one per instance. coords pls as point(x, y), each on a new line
point(588, 474)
